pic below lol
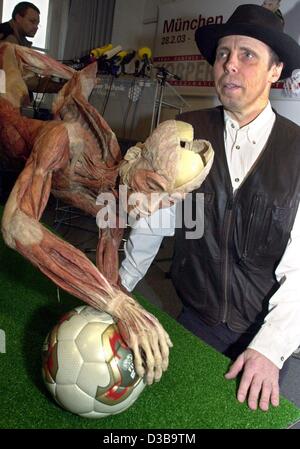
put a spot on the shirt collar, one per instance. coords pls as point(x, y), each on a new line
point(255, 129)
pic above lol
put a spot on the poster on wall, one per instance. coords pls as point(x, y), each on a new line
point(175, 47)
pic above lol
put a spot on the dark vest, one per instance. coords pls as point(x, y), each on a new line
point(227, 275)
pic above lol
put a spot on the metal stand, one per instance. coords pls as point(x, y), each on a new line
point(162, 76)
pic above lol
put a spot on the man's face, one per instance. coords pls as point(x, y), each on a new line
point(28, 25)
point(272, 5)
point(242, 73)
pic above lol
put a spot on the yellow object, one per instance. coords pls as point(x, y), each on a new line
point(94, 53)
point(189, 166)
point(185, 131)
point(144, 51)
point(97, 52)
point(189, 163)
point(122, 54)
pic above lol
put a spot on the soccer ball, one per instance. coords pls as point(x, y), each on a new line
point(87, 367)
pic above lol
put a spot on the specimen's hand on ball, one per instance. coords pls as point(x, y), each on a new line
point(144, 335)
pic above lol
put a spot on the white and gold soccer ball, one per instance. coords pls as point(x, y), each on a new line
point(87, 366)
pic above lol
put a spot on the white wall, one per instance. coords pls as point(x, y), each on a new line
point(128, 23)
point(289, 108)
point(135, 22)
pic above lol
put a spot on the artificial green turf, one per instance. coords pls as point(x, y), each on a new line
point(191, 394)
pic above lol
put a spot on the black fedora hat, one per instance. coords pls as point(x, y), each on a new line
point(257, 22)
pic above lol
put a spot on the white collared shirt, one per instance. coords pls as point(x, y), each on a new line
point(244, 145)
point(280, 334)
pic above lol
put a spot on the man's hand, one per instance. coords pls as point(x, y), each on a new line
point(259, 380)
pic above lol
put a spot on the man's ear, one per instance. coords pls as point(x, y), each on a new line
point(276, 72)
point(17, 18)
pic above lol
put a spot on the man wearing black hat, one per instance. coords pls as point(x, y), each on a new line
point(239, 282)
